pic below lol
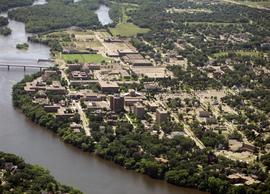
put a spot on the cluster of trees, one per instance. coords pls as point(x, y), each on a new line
point(7, 4)
point(54, 45)
point(26, 178)
point(191, 77)
point(143, 48)
point(3, 21)
point(208, 137)
point(22, 46)
point(4, 30)
point(266, 160)
point(58, 14)
point(251, 121)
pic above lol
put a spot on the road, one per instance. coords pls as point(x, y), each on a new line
point(189, 132)
point(84, 119)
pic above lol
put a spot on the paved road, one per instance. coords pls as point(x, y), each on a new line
point(189, 132)
point(84, 119)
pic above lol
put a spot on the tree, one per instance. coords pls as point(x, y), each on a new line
point(217, 186)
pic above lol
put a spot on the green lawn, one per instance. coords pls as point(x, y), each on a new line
point(214, 23)
point(239, 53)
point(84, 58)
point(127, 29)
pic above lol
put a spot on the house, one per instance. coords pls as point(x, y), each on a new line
point(92, 96)
point(81, 75)
point(65, 113)
point(47, 74)
point(211, 120)
point(112, 54)
point(161, 116)
point(151, 72)
point(92, 66)
point(83, 82)
point(139, 110)
point(152, 86)
point(74, 67)
point(152, 106)
point(204, 114)
point(113, 40)
point(140, 62)
point(56, 88)
point(133, 97)
point(117, 103)
point(51, 108)
point(108, 87)
point(126, 52)
point(248, 147)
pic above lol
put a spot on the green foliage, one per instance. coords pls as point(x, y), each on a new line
point(5, 31)
point(177, 177)
point(266, 160)
point(58, 14)
point(28, 178)
point(217, 186)
point(3, 21)
point(7, 4)
point(22, 46)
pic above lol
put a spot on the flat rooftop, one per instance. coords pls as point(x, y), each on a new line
point(152, 72)
point(107, 84)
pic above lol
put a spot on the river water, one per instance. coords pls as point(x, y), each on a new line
point(36, 145)
point(103, 15)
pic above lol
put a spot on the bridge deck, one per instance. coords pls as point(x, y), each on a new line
point(24, 66)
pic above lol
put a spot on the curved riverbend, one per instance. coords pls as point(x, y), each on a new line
point(36, 145)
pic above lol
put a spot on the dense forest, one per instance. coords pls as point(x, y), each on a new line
point(58, 14)
point(3, 21)
point(16, 177)
point(7, 4)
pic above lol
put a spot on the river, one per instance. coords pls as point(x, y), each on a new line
point(103, 15)
point(36, 145)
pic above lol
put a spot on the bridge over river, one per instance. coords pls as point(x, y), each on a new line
point(26, 64)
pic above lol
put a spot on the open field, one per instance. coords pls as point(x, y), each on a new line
point(84, 58)
point(127, 29)
point(175, 10)
point(213, 23)
point(240, 53)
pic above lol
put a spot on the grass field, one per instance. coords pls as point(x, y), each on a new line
point(213, 23)
point(84, 58)
point(127, 29)
point(239, 53)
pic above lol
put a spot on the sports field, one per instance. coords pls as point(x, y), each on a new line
point(84, 58)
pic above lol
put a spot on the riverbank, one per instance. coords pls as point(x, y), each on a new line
point(35, 113)
point(20, 177)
